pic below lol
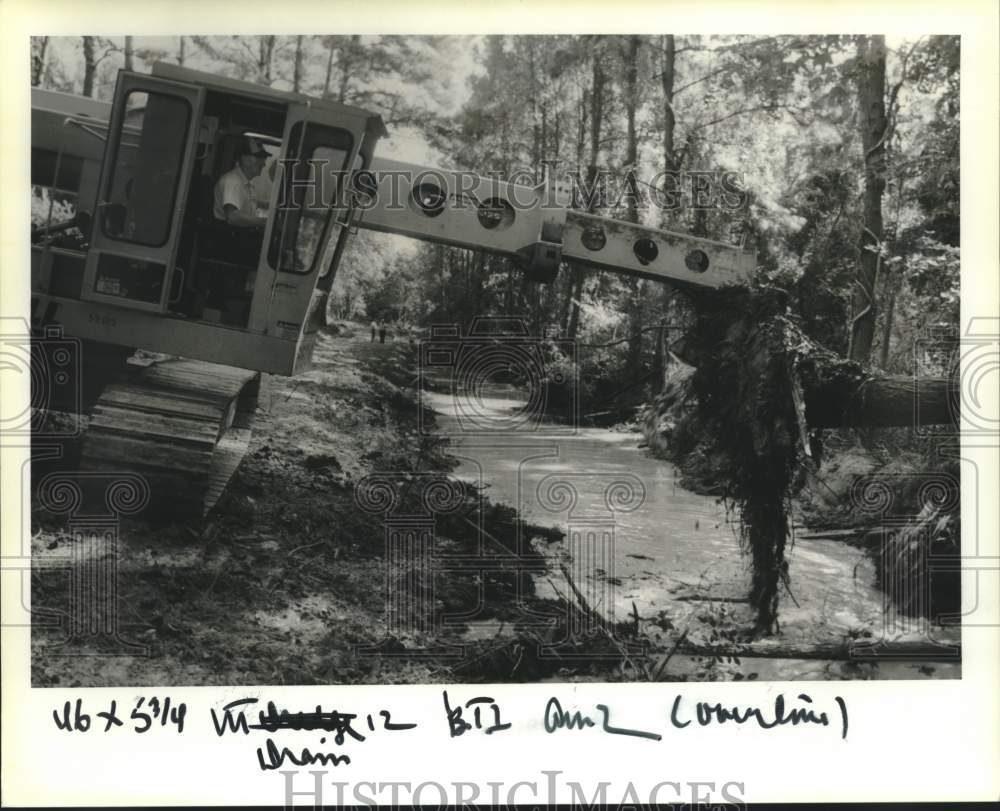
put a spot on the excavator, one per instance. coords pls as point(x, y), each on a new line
point(126, 255)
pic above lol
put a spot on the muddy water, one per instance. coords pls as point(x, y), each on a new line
point(666, 551)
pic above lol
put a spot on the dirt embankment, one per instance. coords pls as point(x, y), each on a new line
point(286, 580)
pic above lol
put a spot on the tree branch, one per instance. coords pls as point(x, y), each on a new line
point(759, 108)
point(702, 79)
point(730, 47)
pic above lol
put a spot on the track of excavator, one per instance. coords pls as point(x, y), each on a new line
point(182, 424)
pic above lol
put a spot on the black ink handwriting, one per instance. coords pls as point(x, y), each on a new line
point(707, 713)
point(276, 758)
point(558, 718)
point(458, 725)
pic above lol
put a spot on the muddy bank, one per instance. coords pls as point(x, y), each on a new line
point(285, 581)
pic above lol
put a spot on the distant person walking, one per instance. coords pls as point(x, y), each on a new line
point(381, 332)
point(374, 330)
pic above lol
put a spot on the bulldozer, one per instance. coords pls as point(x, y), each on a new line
point(128, 253)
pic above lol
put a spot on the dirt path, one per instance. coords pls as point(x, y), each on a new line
point(280, 582)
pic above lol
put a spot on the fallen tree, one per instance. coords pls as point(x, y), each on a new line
point(755, 389)
point(881, 402)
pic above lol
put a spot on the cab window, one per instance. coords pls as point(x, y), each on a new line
point(142, 188)
point(309, 192)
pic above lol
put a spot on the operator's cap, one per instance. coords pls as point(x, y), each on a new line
point(251, 146)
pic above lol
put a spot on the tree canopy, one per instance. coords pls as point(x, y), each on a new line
point(843, 153)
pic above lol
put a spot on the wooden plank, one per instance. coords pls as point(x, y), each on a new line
point(205, 378)
point(105, 412)
point(166, 395)
point(145, 400)
point(130, 451)
point(170, 427)
point(192, 390)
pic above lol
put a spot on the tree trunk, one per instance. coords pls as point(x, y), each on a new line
point(872, 120)
point(39, 47)
point(129, 54)
point(345, 61)
point(658, 377)
point(89, 66)
point(581, 143)
point(630, 57)
point(630, 54)
point(536, 133)
point(557, 137)
point(596, 117)
point(537, 146)
point(265, 59)
point(884, 402)
point(581, 131)
point(667, 77)
point(699, 225)
point(887, 330)
point(544, 139)
point(297, 69)
point(329, 68)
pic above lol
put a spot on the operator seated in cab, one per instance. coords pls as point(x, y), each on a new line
point(235, 203)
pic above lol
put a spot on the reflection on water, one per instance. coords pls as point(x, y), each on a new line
point(673, 544)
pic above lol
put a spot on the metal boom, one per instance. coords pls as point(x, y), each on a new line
point(536, 225)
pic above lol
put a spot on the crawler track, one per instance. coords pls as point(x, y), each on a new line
point(182, 424)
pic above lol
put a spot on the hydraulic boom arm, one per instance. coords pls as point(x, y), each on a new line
point(537, 226)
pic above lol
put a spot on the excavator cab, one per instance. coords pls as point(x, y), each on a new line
point(156, 259)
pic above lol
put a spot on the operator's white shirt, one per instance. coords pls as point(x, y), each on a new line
point(234, 189)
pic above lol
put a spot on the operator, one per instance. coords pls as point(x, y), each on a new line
point(234, 199)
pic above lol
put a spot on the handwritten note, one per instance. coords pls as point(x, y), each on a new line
point(459, 716)
point(233, 719)
point(71, 717)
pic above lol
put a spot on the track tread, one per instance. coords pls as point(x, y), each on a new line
point(172, 423)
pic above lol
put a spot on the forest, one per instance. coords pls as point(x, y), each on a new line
point(835, 158)
point(847, 151)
